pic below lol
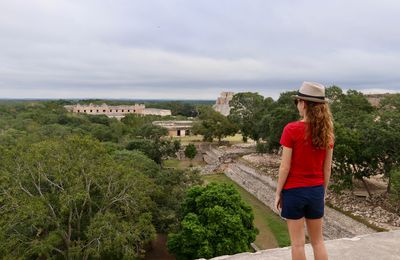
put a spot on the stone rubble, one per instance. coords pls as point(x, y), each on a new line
point(366, 208)
point(268, 163)
point(218, 157)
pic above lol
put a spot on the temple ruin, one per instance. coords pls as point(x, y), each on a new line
point(222, 103)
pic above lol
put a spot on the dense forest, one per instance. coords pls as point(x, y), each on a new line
point(79, 186)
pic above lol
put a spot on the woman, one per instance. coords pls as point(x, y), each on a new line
point(305, 170)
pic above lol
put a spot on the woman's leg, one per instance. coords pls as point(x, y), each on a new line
point(314, 227)
point(297, 238)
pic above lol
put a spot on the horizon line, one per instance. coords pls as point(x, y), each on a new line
point(86, 98)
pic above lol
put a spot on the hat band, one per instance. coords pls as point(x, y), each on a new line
point(305, 95)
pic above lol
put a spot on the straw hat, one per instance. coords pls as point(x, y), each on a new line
point(311, 91)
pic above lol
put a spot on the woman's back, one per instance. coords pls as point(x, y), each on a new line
point(307, 161)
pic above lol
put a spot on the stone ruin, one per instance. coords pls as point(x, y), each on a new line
point(116, 111)
point(222, 103)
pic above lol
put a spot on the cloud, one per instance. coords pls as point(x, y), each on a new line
point(180, 48)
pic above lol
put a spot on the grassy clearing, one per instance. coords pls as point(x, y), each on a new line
point(279, 229)
point(236, 139)
point(273, 230)
point(181, 164)
point(189, 139)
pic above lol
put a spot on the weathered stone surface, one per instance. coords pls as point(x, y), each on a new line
point(222, 103)
point(217, 158)
point(383, 245)
point(262, 186)
point(367, 208)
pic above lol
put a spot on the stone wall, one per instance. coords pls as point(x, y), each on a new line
point(336, 224)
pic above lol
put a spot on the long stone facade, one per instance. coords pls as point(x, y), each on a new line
point(116, 111)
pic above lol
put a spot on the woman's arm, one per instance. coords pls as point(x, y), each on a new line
point(283, 173)
point(327, 167)
point(284, 168)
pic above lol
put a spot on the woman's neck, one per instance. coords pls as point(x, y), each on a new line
point(303, 119)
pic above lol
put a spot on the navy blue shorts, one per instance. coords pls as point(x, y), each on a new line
point(301, 202)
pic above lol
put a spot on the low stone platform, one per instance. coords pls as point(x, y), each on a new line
point(385, 246)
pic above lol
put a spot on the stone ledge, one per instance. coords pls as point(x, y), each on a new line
point(384, 245)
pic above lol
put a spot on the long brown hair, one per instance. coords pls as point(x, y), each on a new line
point(320, 125)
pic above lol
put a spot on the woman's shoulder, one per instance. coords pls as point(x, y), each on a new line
point(295, 128)
point(295, 124)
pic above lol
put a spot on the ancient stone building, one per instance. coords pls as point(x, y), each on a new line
point(156, 111)
point(116, 111)
point(375, 99)
point(176, 128)
point(222, 103)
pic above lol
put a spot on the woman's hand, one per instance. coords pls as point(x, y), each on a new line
point(278, 202)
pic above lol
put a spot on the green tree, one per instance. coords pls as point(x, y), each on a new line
point(275, 116)
point(351, 109)
point(190, 151)
point(215, 222)
point(148, 147)
point(212, 124)
point(245, 112)
point(395, 189)
point(99, 119)
point(170, 190)
point(355, 155)
point(155, 150)
point(177, 108)
point(334, 93)
point(152, 132)
point(69, 199)
point(386, 135)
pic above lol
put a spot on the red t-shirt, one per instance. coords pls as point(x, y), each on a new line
point(306, 168)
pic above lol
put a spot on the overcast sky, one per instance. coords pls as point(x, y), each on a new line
point(195, 49)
